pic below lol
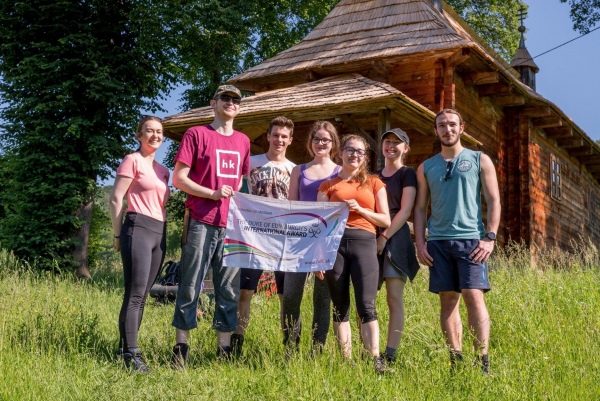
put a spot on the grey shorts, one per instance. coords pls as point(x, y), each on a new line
point(453, 269)
point(204, 249)
point(389, 271)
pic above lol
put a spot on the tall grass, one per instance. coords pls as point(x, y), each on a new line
point(58, 336)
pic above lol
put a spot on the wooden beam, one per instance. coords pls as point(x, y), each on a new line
point(381, 68)
point(584, 151)
point(536, 112)
point(557, 133)
point(547, 122)
point(593, 168)
point(485, 78)
point(509, 101)
point(256, 149)
point(383, 125)
point(569, 143)
point(458, 57)
point(354, 127)
point(495, 90)
point(596, 175)
point(590, 160)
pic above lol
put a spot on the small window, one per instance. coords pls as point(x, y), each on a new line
point(555, 179)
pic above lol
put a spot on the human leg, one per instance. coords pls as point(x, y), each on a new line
point(478, 318)
point(395, 299)
point(279, 283)
point(338, 283)
point(248, 283)
point(450, 319)
point(321, 313)
point(293, 290)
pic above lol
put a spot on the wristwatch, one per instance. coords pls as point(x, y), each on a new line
point(491, 236)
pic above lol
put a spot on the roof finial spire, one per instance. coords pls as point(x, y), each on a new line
point(522, 29)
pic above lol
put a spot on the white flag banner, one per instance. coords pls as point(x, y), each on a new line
point(280, 235)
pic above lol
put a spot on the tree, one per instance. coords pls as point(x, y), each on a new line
point(74, 76)
point(584, 14)
point(495, 21)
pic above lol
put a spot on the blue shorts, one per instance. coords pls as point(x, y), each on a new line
point(249, 279)
point(453, 269)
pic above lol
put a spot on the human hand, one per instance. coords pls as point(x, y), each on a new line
point(224, 192)
point(353, 205)
point(424, 256)
point(483, 251)
point(381, 241)
point(320, 275)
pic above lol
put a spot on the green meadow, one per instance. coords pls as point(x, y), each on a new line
point(58, 337)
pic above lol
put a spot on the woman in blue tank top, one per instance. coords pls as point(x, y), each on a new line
point(322, 142)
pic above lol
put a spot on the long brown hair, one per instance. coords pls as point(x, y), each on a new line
point(362, 175)
point(335, 139)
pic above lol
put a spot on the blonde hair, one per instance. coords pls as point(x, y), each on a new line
point(362, 175)
point(327, 126)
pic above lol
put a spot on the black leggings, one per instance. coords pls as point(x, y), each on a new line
point(357, 260)
point(143, 245)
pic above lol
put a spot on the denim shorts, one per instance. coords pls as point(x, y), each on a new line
point(204, 249)
point(453, 269)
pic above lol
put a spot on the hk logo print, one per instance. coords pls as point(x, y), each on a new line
point(228, 164)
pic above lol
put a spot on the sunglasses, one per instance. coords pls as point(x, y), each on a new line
point(324, 141)
point(449, 167)
point(227, 99)
point(359, 152)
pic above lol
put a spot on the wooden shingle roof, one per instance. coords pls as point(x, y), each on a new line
point(326, 98)
point(364, 30)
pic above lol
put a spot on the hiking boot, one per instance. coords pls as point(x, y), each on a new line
point(223, 353)
point(237, 341)
point(180, 356)
point(455, 358)
point(388, 358)
point(134, 361)
point(485, 364)
point(381, 366)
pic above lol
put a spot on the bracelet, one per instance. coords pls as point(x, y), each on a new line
point(116, 236)
point(386, 238)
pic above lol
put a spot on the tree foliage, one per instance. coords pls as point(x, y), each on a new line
point(74, 76)
point(495, 21)
point(584, 14)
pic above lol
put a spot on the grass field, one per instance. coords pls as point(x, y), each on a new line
point(58, 336)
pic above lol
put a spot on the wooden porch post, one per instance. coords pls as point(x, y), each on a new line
point(384, 124)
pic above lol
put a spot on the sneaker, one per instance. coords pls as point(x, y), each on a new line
point(180, 356)
point(224, 353)
point(455, 358)
point(381, 366)
point(134, 361)
point(237, 341)
point(119, 352)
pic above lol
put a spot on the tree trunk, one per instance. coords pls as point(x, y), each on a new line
point(80, 253)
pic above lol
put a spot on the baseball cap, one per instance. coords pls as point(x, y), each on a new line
point(399, 133)
point(227, 90)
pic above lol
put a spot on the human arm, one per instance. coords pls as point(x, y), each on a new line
point(119, 190)
point(420, 217)
point(294, 192)
point(183, 182)
point(406, 206)
point(491, 193)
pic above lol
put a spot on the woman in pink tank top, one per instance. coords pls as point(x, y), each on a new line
point(141, 238)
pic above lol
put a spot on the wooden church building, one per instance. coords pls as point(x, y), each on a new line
point(372, 65)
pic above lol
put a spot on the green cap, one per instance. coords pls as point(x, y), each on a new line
point(227, 90)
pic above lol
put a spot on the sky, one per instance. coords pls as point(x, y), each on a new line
point(568, 76)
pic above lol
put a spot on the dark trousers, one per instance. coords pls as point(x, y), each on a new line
point(143, 245)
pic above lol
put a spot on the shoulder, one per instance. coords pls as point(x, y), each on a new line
point(375, 182)
point(241, 137)
point(328, 184)
point(162, 168)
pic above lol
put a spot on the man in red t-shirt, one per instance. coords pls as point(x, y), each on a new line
point(210, 164)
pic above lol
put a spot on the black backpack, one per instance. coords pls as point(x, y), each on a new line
point(171, 274)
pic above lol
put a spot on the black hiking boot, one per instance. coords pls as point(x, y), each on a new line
point(180, 356)
point(485, 364)
point(381, 366)
point(237, 341)
point(223, 353)
point(134, 361)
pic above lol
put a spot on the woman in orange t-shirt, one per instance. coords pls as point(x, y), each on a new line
point(356, 259)
point(141, 238)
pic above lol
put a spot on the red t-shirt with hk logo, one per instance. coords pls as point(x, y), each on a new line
point(214, 160)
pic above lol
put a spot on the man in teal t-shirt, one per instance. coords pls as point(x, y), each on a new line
point(458, 244)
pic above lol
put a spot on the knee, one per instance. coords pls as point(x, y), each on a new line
point(246, 296)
